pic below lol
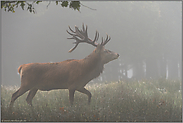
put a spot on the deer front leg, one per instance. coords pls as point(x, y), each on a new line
point(31, 95)
point(71, 96)
point(83, 90)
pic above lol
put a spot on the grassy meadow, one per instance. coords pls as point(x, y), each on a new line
point(145, 100)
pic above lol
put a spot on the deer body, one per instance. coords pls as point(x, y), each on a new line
point(61, 75)
point(70, 74)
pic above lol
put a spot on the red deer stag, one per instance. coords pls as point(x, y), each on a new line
point(70, 74)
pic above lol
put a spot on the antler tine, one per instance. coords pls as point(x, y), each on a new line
point(77, 42)
point(107, 40)
point(102, 41)
point(96, 37)
point(71, 30)
point(84, 27)
point(86, 33)
point(69, 33)
point(73, 47)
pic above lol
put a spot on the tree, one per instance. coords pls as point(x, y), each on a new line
point(11, 5)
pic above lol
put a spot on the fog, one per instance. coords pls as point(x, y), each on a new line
point(146, 35)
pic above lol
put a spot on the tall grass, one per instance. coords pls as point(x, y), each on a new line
point(145, 100)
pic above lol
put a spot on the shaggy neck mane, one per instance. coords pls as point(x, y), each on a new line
point(93, 65)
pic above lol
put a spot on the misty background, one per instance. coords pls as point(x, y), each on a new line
point(147, 35)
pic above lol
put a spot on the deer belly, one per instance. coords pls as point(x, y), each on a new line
point(46, 88)
point(51, 86)
point(53, 82)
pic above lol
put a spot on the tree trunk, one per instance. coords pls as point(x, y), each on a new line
point(138, 70)
point(151, 69)
point(162, 67)
point(172, 69)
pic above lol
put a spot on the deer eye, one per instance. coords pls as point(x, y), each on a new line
point(107, 51)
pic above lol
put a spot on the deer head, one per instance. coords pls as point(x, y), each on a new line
point(81, 36)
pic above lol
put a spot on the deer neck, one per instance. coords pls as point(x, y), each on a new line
point(92, 63)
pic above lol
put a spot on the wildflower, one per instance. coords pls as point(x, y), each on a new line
point(61, 108)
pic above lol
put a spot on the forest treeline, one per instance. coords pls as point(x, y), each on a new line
point(150, 36)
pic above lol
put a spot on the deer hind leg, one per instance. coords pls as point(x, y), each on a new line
point(83, 90)
point(18, 93)
point(31, 95)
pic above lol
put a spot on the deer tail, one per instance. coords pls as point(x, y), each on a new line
point(19, 69)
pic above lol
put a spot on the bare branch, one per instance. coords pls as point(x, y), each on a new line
point(48, 4)
point(87, 7)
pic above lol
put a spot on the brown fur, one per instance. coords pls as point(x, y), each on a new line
point(20, 67)
point(70, 74)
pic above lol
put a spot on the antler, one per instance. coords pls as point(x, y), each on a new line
point(82, 36)
point(106, 40)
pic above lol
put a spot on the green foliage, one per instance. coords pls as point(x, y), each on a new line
point(10, 5)
point(75, 5)
point(64, 4)
point(116, 101)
